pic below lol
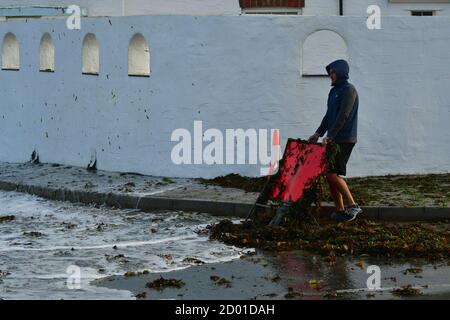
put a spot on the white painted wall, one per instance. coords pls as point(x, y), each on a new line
point(96, 7)
point(184, 7)
point(230, 72)
point(230, 7)
point(141, 7)
point(321, 7)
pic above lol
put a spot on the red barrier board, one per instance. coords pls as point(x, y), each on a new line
point(302, 163)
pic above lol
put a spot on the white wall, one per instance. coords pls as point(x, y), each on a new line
point(230, 72)
point(141, 7)
point(185, 7)
point(321, 7)
point(229, 7)
point(96, 7)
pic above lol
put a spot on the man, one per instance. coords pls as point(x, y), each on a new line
point(340, 122)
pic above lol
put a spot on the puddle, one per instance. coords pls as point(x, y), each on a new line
point(296, 275)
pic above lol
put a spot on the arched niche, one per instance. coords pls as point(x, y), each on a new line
point(319, 49)
point(138, 56)
point(47, 54)
point(90, 55)
point(10, 52)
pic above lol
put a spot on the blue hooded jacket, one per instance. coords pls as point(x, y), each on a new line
point(341, 119)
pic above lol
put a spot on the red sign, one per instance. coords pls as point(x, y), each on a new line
point(302, 164)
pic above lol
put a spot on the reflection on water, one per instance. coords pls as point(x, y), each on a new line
point(315, 275)
point(47, 237)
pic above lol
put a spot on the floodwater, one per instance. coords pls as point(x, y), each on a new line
point(59, 250)
point(50, 243)
point(270, 275)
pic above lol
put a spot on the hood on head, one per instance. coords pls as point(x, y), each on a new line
point(341, 67)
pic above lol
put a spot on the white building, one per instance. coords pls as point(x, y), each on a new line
point(226, 7)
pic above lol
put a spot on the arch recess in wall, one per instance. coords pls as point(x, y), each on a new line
point(319, 49)
point(10, 52)
point(47, 54)
point(90, 55)
point(138, 56)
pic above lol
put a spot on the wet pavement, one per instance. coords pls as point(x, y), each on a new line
point(79, 179)
point(294, 275)
point(148, 193)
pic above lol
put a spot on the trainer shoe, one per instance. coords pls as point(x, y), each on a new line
point(354, 210)
point(343, 216)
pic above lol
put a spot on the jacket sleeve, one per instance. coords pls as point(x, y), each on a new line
point(323, 125)
point(348, 101)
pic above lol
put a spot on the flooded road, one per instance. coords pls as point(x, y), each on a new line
point(48, 240)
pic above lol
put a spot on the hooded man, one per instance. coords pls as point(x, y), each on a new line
point(340, 121)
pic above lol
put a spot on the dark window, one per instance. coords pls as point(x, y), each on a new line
point(296, 12)
point(422, 13)
point(272, 6)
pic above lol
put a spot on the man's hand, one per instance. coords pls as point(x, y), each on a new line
point(326, 141)
point(314, 138)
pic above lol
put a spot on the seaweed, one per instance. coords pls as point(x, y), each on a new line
point(406, 291)
point(134, 274)
point(432, 190)
point(292, 294)
point(412, 271)
point(33, 234)
point(331, 295)
point(161, 283)
point(141, 295)
point(7, 219)
point(295, 228)
point(329, 239)
point(191, 260)
point(221, 281)
point(237, 181)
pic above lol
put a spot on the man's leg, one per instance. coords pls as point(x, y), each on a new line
point(340, 187)
point(337, 196)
